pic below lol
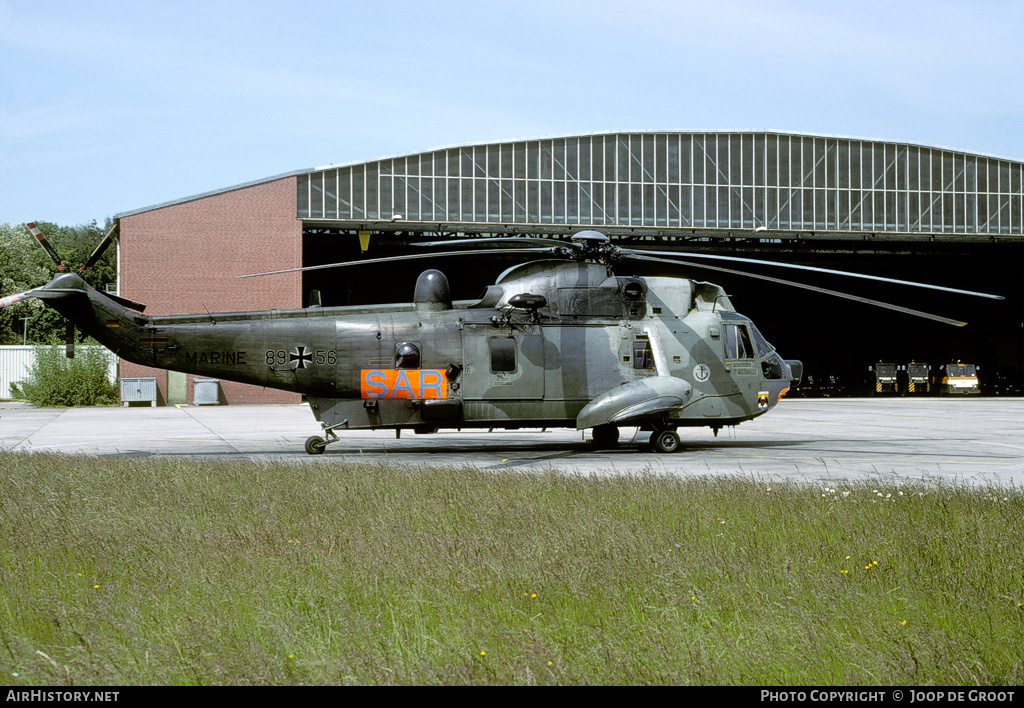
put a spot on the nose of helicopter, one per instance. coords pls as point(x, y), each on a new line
point(796, 372)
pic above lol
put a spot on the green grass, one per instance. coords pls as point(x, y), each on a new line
point(173, 571)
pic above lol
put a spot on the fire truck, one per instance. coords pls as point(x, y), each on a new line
point(957, 379)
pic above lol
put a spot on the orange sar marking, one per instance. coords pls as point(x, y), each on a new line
point(403, 383)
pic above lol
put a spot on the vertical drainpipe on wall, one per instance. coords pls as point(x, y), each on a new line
point(117, 284)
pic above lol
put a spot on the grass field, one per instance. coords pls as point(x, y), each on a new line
point(173, 571)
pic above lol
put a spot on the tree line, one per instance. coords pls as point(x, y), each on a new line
point(24, 265)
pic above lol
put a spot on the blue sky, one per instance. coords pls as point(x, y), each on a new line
point(111, 106)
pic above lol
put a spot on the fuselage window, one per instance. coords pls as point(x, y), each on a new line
point(737, 342)
point(643, 357)
point(503, 355)
point(407, 355)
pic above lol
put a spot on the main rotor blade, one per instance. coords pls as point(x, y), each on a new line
point(804, 286)
point(43, 293)
point(498, 239)
point(815, 269)
point(17, 297)
point(111, 235)
point(389, 259)
point(46, 245)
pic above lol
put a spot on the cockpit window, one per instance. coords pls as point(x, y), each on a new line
point(760, 342)
point(737, 342)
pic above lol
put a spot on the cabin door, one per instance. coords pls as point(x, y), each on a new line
point(502, 364)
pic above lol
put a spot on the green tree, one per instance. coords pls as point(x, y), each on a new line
point(19, 271)
point(24, 265)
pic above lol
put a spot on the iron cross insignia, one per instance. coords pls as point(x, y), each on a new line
point(300, 358)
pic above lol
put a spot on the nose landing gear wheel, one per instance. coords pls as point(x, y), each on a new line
point(665, 441)
point(316, 445)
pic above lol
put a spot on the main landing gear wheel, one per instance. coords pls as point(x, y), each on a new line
point(606, 436)
point(316, 445)
point(665, 441)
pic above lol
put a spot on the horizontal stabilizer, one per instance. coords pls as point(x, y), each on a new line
point(130, 304)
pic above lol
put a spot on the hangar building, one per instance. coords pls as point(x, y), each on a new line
point(888, 208)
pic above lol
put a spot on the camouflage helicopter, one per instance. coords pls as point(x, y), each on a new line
point(560, 340)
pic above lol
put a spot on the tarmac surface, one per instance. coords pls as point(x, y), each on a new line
point(966, 441)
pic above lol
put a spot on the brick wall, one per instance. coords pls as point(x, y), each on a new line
point(184, 259)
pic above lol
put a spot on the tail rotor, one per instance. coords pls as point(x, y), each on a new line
point(107, 240)
point(41, 238)
point(59, 288)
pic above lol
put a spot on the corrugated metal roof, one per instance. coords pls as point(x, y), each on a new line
point(547, 137)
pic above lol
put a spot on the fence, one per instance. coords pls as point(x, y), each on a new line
point(15, 362)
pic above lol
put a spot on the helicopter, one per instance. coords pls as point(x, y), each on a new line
point(566, 338)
